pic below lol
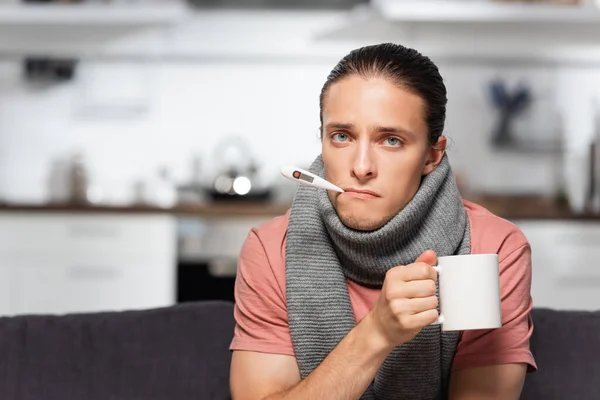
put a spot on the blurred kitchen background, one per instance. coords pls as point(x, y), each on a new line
point(140, 140)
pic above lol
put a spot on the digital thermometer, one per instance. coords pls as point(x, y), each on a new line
point(304, 177)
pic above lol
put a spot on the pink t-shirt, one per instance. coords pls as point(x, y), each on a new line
point(261, 315)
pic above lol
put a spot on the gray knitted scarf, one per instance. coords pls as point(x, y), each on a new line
point(322, 252)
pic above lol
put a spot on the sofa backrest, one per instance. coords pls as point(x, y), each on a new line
point(566, 346)
point(179, 352)
point(182, 352)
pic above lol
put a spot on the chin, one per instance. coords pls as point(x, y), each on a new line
point(360, 214)
point(362, 221)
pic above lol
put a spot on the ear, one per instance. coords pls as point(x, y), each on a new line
point(435, 154)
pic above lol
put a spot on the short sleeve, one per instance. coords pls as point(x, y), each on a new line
point(509, 343)
point(260, 308)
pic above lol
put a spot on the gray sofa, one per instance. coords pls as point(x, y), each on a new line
point(174, 353)
point(181, 353)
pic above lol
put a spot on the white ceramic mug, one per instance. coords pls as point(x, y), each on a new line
point(469, 292)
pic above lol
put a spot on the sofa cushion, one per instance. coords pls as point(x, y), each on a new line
point(178, 352)
point(566, 346)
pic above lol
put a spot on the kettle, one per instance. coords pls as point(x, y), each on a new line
point(236, 175)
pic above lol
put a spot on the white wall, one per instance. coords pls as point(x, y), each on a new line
point(183, 106)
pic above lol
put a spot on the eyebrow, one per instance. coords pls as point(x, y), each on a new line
point(379, 129)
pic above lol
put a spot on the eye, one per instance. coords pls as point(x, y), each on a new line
point(392, 141)
point(339, 137)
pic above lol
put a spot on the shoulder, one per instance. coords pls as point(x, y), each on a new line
point(273, 228)
point(491, 233)
point(272, 235)
point(262, 257)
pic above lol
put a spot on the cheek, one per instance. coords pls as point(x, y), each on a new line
point(404, 180)
point(333, 164)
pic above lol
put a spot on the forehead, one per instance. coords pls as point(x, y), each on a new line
point(367, 102)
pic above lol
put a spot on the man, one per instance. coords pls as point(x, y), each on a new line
point(336, 299)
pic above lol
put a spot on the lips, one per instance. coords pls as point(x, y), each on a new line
point(363, 193)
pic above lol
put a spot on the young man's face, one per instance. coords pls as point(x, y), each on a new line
point(375, 146)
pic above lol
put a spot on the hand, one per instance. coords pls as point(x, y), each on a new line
point(407, 302)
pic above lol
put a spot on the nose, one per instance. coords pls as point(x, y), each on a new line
point(364, 166)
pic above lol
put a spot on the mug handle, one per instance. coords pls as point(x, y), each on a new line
point(440, 319)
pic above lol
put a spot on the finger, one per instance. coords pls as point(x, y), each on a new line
point(413, 289)
point(415, 305)
point(425, 318)
point(420, 305)
point(428, 257)
point(417, 271)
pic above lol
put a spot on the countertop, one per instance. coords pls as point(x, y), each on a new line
point(509, 207)
point(204, 210)
point(529, 207)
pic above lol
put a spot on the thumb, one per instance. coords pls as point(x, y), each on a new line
point(428, 257)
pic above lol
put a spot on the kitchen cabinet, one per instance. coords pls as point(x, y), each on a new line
point(443, 11)
point(5, 284)
point(75, 28)
point(225, 237)
point(85, 262)
point(565, 263)
point(61, 286)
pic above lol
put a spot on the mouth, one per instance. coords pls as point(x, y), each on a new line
point(361, 194)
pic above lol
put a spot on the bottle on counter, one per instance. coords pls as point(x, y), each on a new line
point(593, 197)
point(164, 189)
point(78, 179)
point(59, 191)
point(596, 163)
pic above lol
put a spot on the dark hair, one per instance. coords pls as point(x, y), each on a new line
point(406, 67)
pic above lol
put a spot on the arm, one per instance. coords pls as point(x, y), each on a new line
point(344, 374)
point(496, 382)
